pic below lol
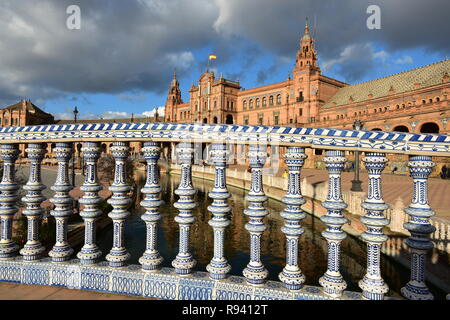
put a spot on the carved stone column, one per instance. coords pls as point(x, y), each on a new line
point(120, 201)
point(419, 226)
point(33, 249)
point(90, 253)
point(184, 261)
point(63, 203)
point(8, 200)
point(332, 282)
point(151, 259)
point(219, 267)
point(292, 276)
point(372, 284)
point(255, 272)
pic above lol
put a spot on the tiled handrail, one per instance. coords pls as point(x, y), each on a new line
point(323, 138)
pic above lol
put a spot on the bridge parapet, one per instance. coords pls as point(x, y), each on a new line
point(182, 282)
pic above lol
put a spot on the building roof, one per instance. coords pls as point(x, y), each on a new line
point(426, 76)
point(30, 107)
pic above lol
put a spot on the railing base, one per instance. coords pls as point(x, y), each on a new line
point(164, 284)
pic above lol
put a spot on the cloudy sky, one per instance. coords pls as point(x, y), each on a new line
point(122, 58)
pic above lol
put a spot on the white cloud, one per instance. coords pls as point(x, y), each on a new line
point(404, 60)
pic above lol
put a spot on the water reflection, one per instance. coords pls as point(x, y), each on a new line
point(313, 254)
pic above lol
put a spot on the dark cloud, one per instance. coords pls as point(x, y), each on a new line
point(134, 45)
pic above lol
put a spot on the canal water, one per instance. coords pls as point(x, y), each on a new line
point(313, 253)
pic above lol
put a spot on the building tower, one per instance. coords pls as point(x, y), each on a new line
point(306, 75)
point(173, 99)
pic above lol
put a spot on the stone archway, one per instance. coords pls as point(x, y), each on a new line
point(401, 129)
point(229, 119)
point(429, 127)
point(205, 120)
point(215, 120)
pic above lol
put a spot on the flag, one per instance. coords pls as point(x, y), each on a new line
point(212, 57)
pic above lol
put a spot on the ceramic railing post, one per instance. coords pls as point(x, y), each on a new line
point(151, 260)
point(63, 203)
point(33, 248)
point(8, 199)
point(184, 261)
point(419, 226)
point(372, 284)
point(255, 272)
point(120, 201)
point(219, 267)
point(332, 282)
point(292, 276)
point(90, 253)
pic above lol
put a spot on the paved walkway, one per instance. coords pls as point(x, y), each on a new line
point(14, 291)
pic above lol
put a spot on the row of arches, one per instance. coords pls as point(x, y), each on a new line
point(427, 127)
point(228, 119)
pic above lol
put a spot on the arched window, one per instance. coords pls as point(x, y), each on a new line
point(401, 129)
point(429, 127)
point(264, 101)
point(250, 104)
point(271, 100)
point(437, 99)
point(245, 104)
point(279, 99)
point(423, 101)
point(257, 103)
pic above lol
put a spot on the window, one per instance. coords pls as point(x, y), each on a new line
point(275, 120)
point(257, 103)
point(300, 96)
point(271, 100)
point(313, 119)
point(279, 99)
point(228, 104)
point(250, 104)
point(437, 99)
point(215, 104)
point(245, 105)
point(245, 119)
point(300, 112)
point(260, 119)
point(264, 101)
point(232, 105)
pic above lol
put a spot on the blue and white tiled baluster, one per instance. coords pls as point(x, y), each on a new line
point(332, 282)
point(90, 253)
point(184, 261)
point(419, 226)
point(372, 284)
point(255, 272)
point(33, 249)
point(219, 267)
point(120, 201)
point(292, 276)
point(8, 200)
point(63, 203)
point(151, 260)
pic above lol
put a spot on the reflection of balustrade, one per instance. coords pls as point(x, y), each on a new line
point(112, 277)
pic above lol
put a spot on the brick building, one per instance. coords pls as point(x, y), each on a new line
point(410, 101)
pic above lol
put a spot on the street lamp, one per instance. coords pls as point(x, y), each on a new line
point(356, 183)
point(75, 113)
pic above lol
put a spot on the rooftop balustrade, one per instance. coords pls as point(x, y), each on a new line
point(148, 279)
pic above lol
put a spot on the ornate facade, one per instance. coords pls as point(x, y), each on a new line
point(411, 101)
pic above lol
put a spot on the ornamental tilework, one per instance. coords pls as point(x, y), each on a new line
point(308, 137)
point(162, 284)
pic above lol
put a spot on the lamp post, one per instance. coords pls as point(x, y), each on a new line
point(75, 114)
point(356, 183)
